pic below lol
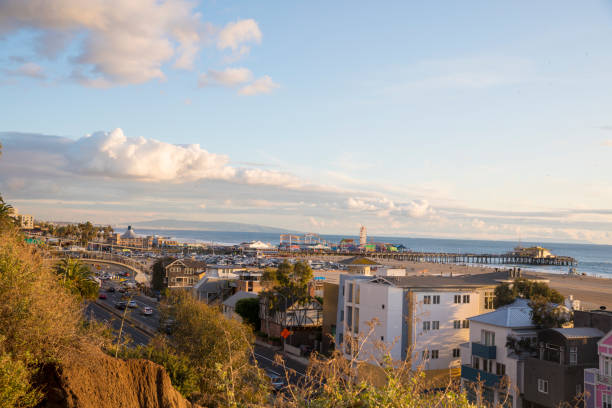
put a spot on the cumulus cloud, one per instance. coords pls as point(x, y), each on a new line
point(262, 85)
point(235, 34)
point(268, 177)
point(115, 155)
point(383, 207)
point(228, 77)
point(122, 42)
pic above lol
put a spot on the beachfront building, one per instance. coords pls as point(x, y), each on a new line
point(184, 273)
point(486, 359)
point(130, 239)
point(359, 265)
point(554, 374)
point(421, 319)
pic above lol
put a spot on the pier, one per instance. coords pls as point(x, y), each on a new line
point(447, 258)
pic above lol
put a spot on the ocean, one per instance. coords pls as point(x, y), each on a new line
point(594, 260)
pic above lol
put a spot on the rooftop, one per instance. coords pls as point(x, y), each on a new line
point(438, 281)
point(580, 332)
point(515, 315)
point(358, 260)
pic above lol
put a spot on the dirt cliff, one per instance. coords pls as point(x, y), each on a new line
point(92, 379)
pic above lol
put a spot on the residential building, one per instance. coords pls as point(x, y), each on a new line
point(360, 265)
point(229, 304)
point(555, 375)
point(25, 221)
point(487, 359)
point(225, 271)
point(598, 381)
point(249, 281)
point(302, 318)
point(422, 319)
point(213, 291)
point(184, 273)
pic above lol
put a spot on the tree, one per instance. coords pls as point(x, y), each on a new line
point(504, 295)
point(220, 351)
point(6, 219)
point(159, 272)
point(248, 309)
point(526, 289)
point(547, 314)
point(77, 278)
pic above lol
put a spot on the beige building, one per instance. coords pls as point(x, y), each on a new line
point(26, 221)
point(130, 239)
point(184, 273)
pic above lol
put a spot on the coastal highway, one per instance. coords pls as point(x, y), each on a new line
point(99, 310)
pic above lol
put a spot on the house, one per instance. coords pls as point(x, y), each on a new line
point(229, 304)
point(225, 271)
point(486, 358)
point(421, 319)
point(556, 373)
point(213, 291)
point(249, 281)
point(302, 317)
point(598, 381)
point(184, 273)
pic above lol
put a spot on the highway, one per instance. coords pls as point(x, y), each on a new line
point(98, 310)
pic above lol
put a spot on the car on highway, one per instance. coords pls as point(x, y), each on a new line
point(105, 276)
point(102, 296)
point(276, 380)
point(132, 304)
point(147, 311)
point(111, 289)
point(121, 304)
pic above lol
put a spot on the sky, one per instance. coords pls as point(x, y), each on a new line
point(471, 119)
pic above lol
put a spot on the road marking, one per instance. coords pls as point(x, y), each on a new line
point(275, 363)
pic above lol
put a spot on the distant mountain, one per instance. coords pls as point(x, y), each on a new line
point(207, 226)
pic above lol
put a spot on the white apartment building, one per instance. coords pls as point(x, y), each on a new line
point(485, 358)
point(423, 319)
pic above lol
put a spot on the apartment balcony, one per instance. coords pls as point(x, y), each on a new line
point(480, 350)
point(604, 379)
point(472, 374)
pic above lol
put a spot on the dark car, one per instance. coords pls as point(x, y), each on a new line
point(111, 289)
point(101, 296)
point(121, 305)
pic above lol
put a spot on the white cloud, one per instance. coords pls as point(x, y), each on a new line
point(418, 209)
point(269, 177)
point(383, 207)
point(261, 85)
point(123, 42)
point(113, 154)
point(228, 77)
point(234, 34)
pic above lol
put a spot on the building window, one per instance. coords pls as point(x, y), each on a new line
point(457, 299)
point(487, 338)
point(356, 329)
point(342, 315)
point(465, 324)
point(426, 300)
point(434, 354)
point(606, 401)
point(456, 352)
point(488, 300)
point(425, 354)
point(383, 306)
point(573, 355)
point(426, 326)
point(357, 290)
point(476, 362)
point(456, 324)
point(500, 369)
point(349, 317)
point(436, 300)
point(350, 296)
point(542, 386)
point(382, 338)
point(607, 366)
point(466, 298)
point(435, 325)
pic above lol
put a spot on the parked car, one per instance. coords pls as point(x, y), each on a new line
point(121, 305)
point(102, 296)
point(147, 311)
point(111, 289)
point(132, 304)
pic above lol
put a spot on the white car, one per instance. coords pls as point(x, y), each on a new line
point(147, 311)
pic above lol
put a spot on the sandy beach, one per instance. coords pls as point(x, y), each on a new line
point(591, 291)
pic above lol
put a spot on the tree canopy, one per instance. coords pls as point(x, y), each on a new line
point(248, 309)
point(524, 288)
point(77, 278)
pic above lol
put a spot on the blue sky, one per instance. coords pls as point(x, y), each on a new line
point(455, 119)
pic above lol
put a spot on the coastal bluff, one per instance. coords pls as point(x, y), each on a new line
point(92, 379)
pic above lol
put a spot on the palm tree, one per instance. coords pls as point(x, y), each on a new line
point(77, 278)
point(6, 215)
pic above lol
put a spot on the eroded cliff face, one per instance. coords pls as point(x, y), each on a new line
point(92, 379)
